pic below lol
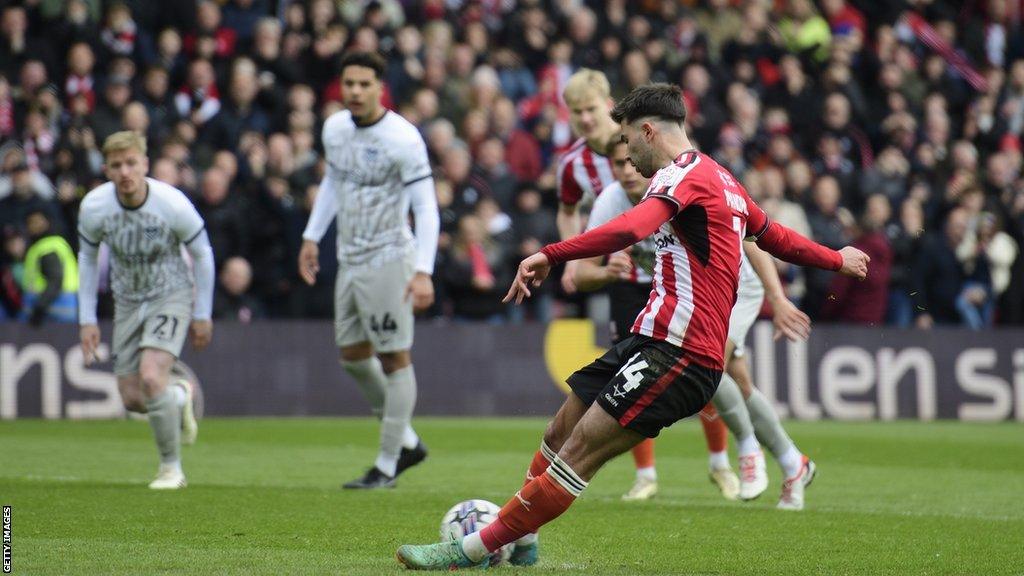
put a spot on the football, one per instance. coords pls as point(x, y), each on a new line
point(471, 516)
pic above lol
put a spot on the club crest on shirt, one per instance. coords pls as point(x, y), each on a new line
point(151, 232)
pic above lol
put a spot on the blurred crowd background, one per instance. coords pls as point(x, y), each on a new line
point(895, 126)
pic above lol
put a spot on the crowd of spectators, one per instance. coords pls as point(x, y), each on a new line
point(895, 126)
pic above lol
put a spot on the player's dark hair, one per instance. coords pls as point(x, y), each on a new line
point(369, 60)
point(612, 142)
point(663, 101)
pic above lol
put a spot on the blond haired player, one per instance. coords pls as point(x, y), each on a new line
point(583, 170)
point(145, 223)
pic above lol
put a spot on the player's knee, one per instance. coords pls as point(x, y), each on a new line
point(552, 437)
point(153, 381)
point(134, 403)
point(394, 361)
point(356, 352)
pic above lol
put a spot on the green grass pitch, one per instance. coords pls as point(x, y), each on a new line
point(892, 498)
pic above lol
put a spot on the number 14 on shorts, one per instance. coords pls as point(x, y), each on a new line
point(631, 372)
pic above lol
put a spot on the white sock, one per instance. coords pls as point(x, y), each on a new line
point(174, 466)
point(399, 400)
point(647, 473)
point(179, 395)
point(370, 377)
point(790, 461)
point(410, 439)
point(718, 460)
point(747, 446)
point(387, 463)
point(473, 547)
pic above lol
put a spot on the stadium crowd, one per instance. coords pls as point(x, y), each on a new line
point(896, 126)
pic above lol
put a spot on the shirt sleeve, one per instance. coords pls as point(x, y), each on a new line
point(786, 244)
point(202, 260)
point(325, 208)
point(187, 223)
point(624, 231)
point(90, 229)
point(415, 162)
point(427, 221)
point(88, 281)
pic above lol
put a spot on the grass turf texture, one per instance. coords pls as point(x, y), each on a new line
point(894, 498)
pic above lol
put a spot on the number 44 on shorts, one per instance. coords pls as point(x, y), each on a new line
point(385, 324)
point(632, 374)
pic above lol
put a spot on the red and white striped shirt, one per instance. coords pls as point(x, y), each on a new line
point(582, 174)
point(696, 269)
point(697, 225)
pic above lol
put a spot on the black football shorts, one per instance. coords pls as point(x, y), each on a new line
point(646, 384)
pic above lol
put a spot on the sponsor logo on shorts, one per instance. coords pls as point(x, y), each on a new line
point(611, 400)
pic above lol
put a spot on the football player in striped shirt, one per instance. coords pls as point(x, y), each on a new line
point(584, 171)
point(671, 366)
point(627, 276)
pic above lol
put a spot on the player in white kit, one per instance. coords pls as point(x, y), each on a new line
point(757, 272)
point(377, 169)
point(145, 223)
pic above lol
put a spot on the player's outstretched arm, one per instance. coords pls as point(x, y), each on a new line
point(789, 321)
point(618, 234)
point(792, 247)
point(531, 272)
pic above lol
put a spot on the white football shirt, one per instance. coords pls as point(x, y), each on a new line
point(610, 203)
point(145, 242)
point(369, 170)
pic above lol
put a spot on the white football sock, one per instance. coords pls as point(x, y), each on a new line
point(718, 460)
point(179, 395)
point(767, 426)
point(790, 461)
point(399, 401)
point(369, 375)
point(728, 400)
point(747, 446)
point(647, 473)
point(174, 466)
point(165, 420)
point(410, 439)
point(387, 464)
point(473, 547)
